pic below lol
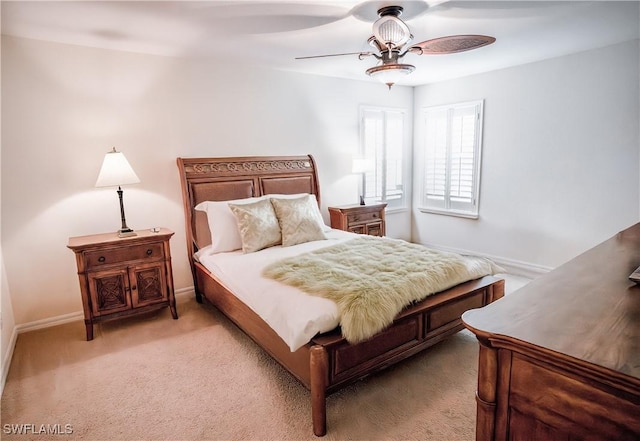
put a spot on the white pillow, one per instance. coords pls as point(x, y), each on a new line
point(223, 226)
point(314, 207)
point(298, 221)
point(257, 224)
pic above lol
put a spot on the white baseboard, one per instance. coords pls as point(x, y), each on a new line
point(7, 357)
point(515, 267)
point(78, 315)
point(55, 321)
point(518, 268)
point(50, 321)
point(185, 292)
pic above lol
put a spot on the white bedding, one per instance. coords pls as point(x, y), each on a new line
point(303, 315)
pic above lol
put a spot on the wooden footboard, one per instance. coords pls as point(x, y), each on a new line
point(329, 362)
point(336, 363)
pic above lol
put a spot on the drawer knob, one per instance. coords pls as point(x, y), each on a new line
point(149, 251)
point(101, 259)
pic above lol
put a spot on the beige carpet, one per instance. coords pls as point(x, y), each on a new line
point(200, 378)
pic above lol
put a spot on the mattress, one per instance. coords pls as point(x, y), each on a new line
point(294, 315)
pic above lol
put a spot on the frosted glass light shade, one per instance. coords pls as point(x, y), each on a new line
point(116, 171)
point(390, 73)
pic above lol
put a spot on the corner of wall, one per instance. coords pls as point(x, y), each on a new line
point(7, 321)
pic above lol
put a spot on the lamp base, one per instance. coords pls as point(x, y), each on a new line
point(126, 233)
point(362, 200)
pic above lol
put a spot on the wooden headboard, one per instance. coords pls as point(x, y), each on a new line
point(223, 179)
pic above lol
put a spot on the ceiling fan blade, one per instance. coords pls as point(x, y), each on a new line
point(360, 54)
point(451, 44)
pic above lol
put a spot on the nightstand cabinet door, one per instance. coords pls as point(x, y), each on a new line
point(148, 284)
point(359, 219)
point(109, 291)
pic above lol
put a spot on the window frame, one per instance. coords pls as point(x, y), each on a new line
point(448, 206)
point(394, 204)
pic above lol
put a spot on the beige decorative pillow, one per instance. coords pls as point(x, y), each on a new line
point(298, 220)
point(314, 206)
point(258, 225)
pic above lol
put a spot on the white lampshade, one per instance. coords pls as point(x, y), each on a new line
point(361, 165)
point(116, 171)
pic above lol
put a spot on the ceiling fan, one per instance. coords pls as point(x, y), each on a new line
point(391, 40)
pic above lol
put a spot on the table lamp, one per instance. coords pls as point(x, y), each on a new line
point(117, 171)
point(361, 166)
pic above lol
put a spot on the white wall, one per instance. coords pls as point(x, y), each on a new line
point(7, 321)
point(64, 107)
point(561, 157)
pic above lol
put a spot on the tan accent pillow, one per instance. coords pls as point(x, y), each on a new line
point(257, 224)
point(298, 220)
point(314, 206)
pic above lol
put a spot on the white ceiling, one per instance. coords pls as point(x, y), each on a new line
point(274, 32)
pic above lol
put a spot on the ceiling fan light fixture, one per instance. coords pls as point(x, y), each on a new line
point(390, 73)
point(390, 38)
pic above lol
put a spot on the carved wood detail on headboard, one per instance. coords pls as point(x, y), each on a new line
point(249, 166)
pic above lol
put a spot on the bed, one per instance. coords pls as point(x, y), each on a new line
point(328, 361)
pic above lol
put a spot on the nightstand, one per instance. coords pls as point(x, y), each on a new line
point(123, 276)
point(361, 219)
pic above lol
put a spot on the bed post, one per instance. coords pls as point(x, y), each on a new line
point(496, 291)
point(319, 367)
point(187, 205)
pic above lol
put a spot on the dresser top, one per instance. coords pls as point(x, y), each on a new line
point(586, 309)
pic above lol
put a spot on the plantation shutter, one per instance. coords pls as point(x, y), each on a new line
point(452, 157)
point(393, 158)
point(373, 151)
point(383, 146)
point(436, 157)
point(462, 166)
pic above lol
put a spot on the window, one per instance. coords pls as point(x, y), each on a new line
point(383, 143)
point(451, 165)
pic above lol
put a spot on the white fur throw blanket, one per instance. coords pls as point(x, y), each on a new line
point(372, 279)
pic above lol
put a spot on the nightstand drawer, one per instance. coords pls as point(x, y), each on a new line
point(123, 254)
point(375, 229)
point(363, 217)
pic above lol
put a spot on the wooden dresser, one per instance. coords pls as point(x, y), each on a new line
point(361, 219)
point(123, 276)
point(560, 358)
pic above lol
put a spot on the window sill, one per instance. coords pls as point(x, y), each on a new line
point(464, 214)
point(395, 210)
